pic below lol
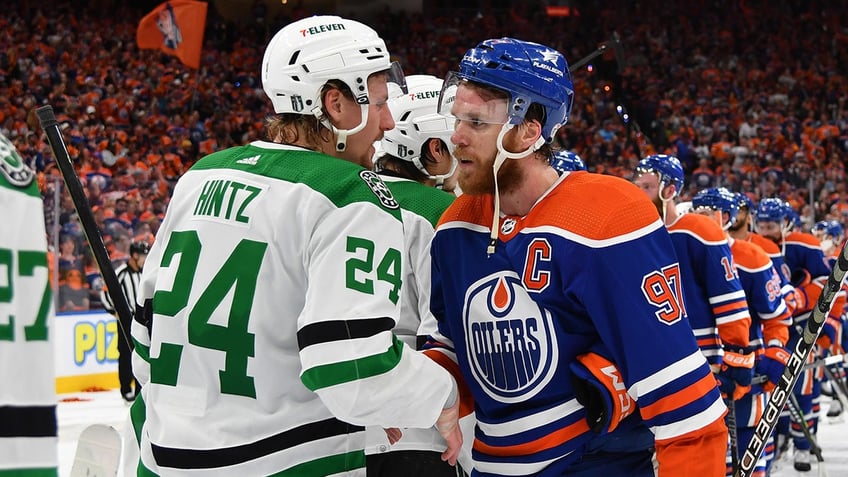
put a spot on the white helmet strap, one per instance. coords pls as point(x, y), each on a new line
point(502, 156)
point(342, 134)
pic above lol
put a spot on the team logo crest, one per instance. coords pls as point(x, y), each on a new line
point(12, 166)
point(167, 24)
point(509, 339)
point(380, 189)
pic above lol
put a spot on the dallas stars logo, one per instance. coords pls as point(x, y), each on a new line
point(12, 166)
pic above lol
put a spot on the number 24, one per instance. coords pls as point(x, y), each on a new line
point(388, 270)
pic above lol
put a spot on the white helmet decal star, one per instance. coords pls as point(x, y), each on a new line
point(550, 55)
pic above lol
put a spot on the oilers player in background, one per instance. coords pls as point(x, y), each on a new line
point(129, 276)
point(743, 229)
point(564, 161)
point(770, 318)
point(808, 269)
point(28, 442)
point(264, 343)
point(557, 296)
point(418, 167)
point(715, 302)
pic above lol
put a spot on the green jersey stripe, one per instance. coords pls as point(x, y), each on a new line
point(346, 371)
point(34, 472)
point(336, 179)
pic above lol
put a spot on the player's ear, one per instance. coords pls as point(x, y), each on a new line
point(668, 191)
point(436, 149)
point(333, 104)
point(529, 133)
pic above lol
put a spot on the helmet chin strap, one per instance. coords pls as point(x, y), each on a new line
point(663, 200)
point(502, 156)
point(342, 134)
point(439, 178)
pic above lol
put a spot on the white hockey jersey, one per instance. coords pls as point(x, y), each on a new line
point(27, 367)
point(271, 290)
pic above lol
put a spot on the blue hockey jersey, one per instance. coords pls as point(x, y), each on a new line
point(590, 265)
point(715, 301)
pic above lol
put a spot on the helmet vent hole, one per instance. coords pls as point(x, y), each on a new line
point(405, 116)
point(294, 57)
point(295, 78)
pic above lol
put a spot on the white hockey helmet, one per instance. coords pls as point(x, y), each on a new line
point(417, 121)
point(305, 54)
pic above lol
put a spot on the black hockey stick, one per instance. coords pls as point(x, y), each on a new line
point(838, 384)
point(60, 152)
point(798, 416)
point(819, 363)
point(730, 420)
point(614, 43)
point(793, 369)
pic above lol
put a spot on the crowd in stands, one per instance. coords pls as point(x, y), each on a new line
point(750, 95)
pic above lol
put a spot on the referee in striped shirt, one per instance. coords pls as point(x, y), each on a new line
point(129, 275)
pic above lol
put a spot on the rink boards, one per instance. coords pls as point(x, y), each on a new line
point(86, 351)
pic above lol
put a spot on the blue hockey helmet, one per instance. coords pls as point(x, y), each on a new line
point(745, 201)
point(771, 210)
point(793, 220)
point(828, 228)
point(834, 229)
point(528, 72)
point(564, 161)
point(718, 198)
point(667, 168)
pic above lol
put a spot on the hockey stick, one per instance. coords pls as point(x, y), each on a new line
point(821, 362)
point(730, 420)
point(60, 152)
point(794, 366)
point(614, 43)
point(798, 416)
point(838, 383)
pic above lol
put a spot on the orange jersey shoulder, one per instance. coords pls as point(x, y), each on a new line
point(700, 225)
point(475, 209)
point(767, 245)
point(804, 238)
point(748, 255)
point(595, 206)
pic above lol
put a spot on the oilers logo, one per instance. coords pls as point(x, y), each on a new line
point(509, 340)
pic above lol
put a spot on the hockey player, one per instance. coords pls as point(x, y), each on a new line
point(264, 344)
point(743, 230)
point(808, 268)
point(28, 395)
point(129, 275)
point(831, 235)
point(416, 163)
point(525, 267)
point(770, 317)
point(715, 301)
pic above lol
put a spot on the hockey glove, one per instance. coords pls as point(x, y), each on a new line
point(737, 371)
point(771, 363)
point(600, 389)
